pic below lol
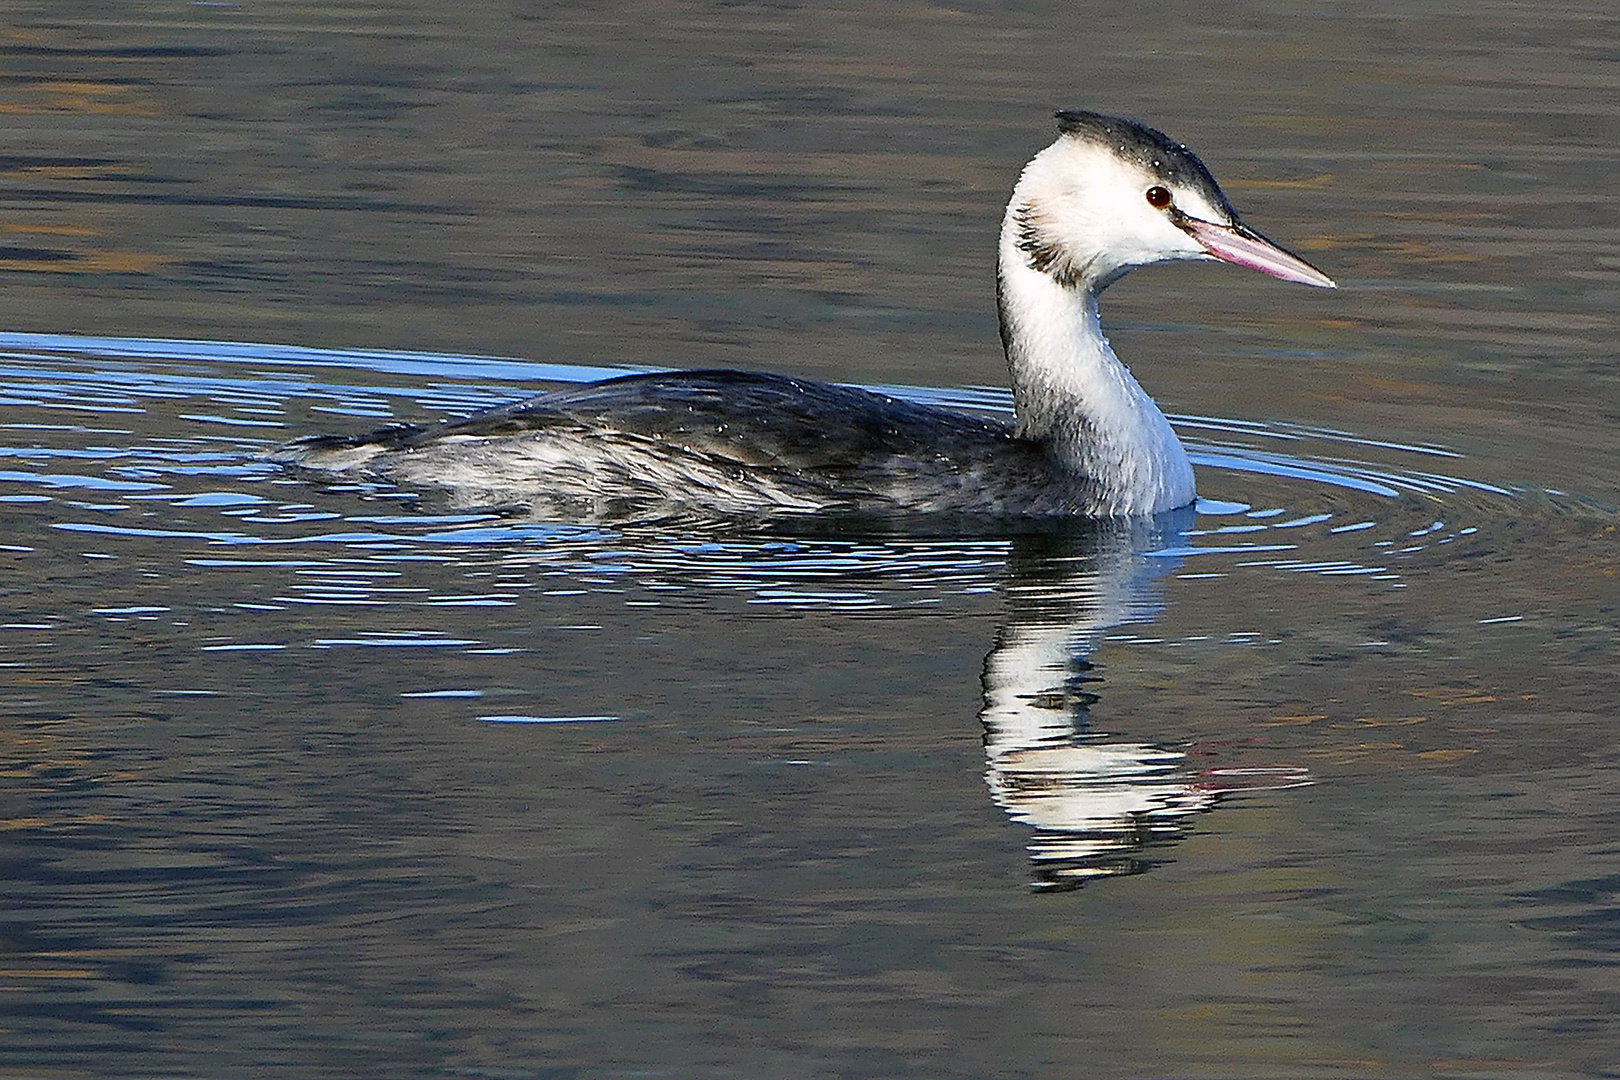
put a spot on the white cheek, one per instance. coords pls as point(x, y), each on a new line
point(1144, 233)
point(1133, 230)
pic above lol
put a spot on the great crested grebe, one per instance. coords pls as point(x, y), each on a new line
point(1108, 196)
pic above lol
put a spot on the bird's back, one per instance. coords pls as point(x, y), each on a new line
point(714, 444)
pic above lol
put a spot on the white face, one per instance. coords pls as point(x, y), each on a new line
point(1109, 213)
point(1084, 213)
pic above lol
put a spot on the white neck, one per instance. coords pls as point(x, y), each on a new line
point(1072, 393)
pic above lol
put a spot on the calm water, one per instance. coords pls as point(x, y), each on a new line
point(313, 780)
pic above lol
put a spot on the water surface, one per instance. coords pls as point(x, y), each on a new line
point(1313, 781)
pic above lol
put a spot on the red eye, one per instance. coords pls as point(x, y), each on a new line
point(1158, 197)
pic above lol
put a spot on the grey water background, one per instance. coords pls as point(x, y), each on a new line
point(308, 779)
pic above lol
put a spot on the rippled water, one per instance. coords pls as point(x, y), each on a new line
point(311, 778)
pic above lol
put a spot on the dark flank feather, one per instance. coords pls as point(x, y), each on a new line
point(712, 442)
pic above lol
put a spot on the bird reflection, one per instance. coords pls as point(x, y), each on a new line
point(1097, 805)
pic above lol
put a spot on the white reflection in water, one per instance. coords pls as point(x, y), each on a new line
point(1096, 806)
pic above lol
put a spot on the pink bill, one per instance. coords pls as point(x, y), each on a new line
point(1254, 251)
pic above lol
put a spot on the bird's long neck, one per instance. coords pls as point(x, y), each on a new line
point(1075, 397)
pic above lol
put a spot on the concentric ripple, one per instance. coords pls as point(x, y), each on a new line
point(81, 438)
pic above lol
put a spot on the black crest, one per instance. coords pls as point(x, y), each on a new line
point(1152, 149)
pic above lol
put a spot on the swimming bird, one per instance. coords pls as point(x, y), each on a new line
point(1088, 442)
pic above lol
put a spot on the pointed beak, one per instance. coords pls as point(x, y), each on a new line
point(1242, 246)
